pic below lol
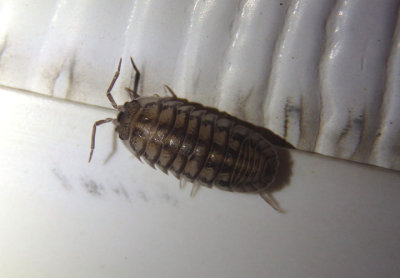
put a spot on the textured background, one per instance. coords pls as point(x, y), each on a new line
point(323, 74)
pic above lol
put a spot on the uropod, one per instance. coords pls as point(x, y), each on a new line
point(195, 143)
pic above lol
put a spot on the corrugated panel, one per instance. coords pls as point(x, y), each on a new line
point(321, 73)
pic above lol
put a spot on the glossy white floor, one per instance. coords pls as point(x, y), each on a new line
point(63, 217)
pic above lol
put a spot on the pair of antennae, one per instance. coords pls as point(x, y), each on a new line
point(132, 92)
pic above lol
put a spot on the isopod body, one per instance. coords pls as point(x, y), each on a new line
point(195, 143)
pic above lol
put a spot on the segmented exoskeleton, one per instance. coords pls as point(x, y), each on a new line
point(195, 143)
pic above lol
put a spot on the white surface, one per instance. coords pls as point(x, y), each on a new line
point(321, 73)
point(63, 217)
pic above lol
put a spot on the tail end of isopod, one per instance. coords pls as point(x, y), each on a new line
point(271, 201)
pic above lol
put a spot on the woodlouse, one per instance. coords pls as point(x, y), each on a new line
point(195, 143)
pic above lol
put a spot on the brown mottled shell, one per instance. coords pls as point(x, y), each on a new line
point(198, 143)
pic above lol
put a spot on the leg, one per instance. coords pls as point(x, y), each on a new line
point(114, 147)
point(168, 89)
point(94, 134)
point(133, 93)
point(182, 183)
point(110, 97)
point(195, 188)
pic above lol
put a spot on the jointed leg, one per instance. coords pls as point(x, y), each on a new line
point(133, 93)
point(110, 97)
point(167, 88)
point(114, 147)
point(92, 145)
point(195, 188)
point(182, 183)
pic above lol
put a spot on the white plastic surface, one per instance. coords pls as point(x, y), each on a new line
point(61, 216)
point(323, 74)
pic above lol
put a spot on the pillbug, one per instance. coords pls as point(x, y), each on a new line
point(195, 143)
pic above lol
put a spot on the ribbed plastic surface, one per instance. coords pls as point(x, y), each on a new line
point(321, 73)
